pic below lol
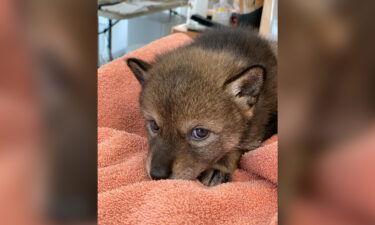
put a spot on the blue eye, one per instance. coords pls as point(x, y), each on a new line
point(154, 126)
point(200, 133)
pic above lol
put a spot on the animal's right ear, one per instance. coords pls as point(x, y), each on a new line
point(245, 87)
point(140, 69)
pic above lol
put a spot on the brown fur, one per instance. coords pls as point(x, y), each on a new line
point(231, 96)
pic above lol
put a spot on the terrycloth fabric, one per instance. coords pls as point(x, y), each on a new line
point(126, 195)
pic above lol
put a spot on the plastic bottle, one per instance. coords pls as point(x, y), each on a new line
point(222, 12)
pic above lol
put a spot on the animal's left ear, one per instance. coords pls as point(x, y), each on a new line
point(245, 87)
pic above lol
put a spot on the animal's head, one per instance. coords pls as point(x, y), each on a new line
point(197, 105)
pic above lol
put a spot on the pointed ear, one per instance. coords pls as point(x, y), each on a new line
point(245, 87)
point(140, 69)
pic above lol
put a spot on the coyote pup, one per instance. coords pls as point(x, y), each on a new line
point(206, 103)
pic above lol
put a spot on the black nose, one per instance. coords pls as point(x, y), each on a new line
point(159, 173)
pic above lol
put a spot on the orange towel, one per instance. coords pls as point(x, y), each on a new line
point(126, 195)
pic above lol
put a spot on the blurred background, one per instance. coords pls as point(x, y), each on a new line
point(49, 55)
point(326, 112)
point(48, 62)
point(124, 26)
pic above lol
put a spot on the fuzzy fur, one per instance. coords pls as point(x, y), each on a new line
point(225, 81)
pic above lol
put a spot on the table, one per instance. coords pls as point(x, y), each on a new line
point(112, 15)
point(165, 5)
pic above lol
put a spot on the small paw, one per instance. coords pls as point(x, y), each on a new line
point(214, 177)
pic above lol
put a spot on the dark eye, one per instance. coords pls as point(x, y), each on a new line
point(200, 133)
point(154, 126)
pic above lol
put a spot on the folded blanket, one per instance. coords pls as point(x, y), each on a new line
point(126, 195)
